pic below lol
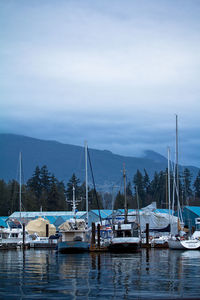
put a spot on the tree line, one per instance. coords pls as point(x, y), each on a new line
point(43, 191)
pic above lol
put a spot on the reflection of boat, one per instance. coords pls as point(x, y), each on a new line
point(191, 254)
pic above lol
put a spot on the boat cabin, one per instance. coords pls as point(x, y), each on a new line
point(125, 230)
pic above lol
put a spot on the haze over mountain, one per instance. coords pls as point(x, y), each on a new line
point(63, 160)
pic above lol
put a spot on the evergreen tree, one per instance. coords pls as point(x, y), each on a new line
point(129, 196)
point(95, 200)
point(4, 203)
point(73, 182)
point(45, 178)
point(154, 187)
point(187, 191)
point(53, 195)
point(197, 186)
point(147, 188)
point(161, 190)
point(62, 204)
point(13, 196)
point(34, 184)
point(119, 201)
point(139, 184)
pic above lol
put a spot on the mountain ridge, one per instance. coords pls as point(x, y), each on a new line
point(65, 159)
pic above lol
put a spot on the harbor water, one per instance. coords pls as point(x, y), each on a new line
point(148, 274)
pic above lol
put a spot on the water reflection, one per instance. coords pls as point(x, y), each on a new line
point(154, 273)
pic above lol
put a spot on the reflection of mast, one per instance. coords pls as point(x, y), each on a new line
point(125, 199)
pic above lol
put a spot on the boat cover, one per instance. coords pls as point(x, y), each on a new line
point(158, 222)
point(39, 226)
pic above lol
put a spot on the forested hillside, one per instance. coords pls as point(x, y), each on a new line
point(63, 160)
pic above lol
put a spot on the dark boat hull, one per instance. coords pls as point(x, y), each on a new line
point(73, 247)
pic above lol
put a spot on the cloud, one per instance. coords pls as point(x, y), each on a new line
point(111, 72)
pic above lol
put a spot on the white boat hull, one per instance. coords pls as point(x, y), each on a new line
point(175, 244)
point(191, 244)
point(184, 244)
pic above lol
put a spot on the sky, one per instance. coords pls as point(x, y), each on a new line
point(114, 73)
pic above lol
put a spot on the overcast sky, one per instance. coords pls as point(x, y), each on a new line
point(113, 73)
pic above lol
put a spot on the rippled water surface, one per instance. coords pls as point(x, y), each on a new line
point(40, 274)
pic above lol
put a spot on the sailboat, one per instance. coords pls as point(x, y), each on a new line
point(126, 236)
point(180, 242)
point(75, 235)
point(15, 234)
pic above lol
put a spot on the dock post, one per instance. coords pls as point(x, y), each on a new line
point(98, 235)
point(23, 243)
point(47, 230)
point(93, 235)
point(147, 235)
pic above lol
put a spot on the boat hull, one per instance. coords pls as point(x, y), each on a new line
point(184, 244)
point(73, 247)
point(175, 244)
point(191, 244)
point(124, 244)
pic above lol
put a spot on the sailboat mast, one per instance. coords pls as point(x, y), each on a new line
point(20, 184)
point(177, 170)
point(169, 192)
point(125, 199)
point(86, 181)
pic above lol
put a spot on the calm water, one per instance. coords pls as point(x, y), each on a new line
point(40, 274)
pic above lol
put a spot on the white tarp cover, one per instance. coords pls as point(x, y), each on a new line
point(72, 224)
point(39, 226)
point(156, 220)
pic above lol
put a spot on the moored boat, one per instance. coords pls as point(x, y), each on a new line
point(125, 238)
point(75, 237)
point(178, 243)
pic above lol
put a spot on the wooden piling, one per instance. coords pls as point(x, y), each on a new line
point(93, 234)
point(47, 230)
point(23, 242)
point(147, 236)
point(98, 236)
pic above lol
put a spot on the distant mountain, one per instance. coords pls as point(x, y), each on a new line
point(63, 160)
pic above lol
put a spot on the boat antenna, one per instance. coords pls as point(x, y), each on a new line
point(95, 192)
point(74, 203)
